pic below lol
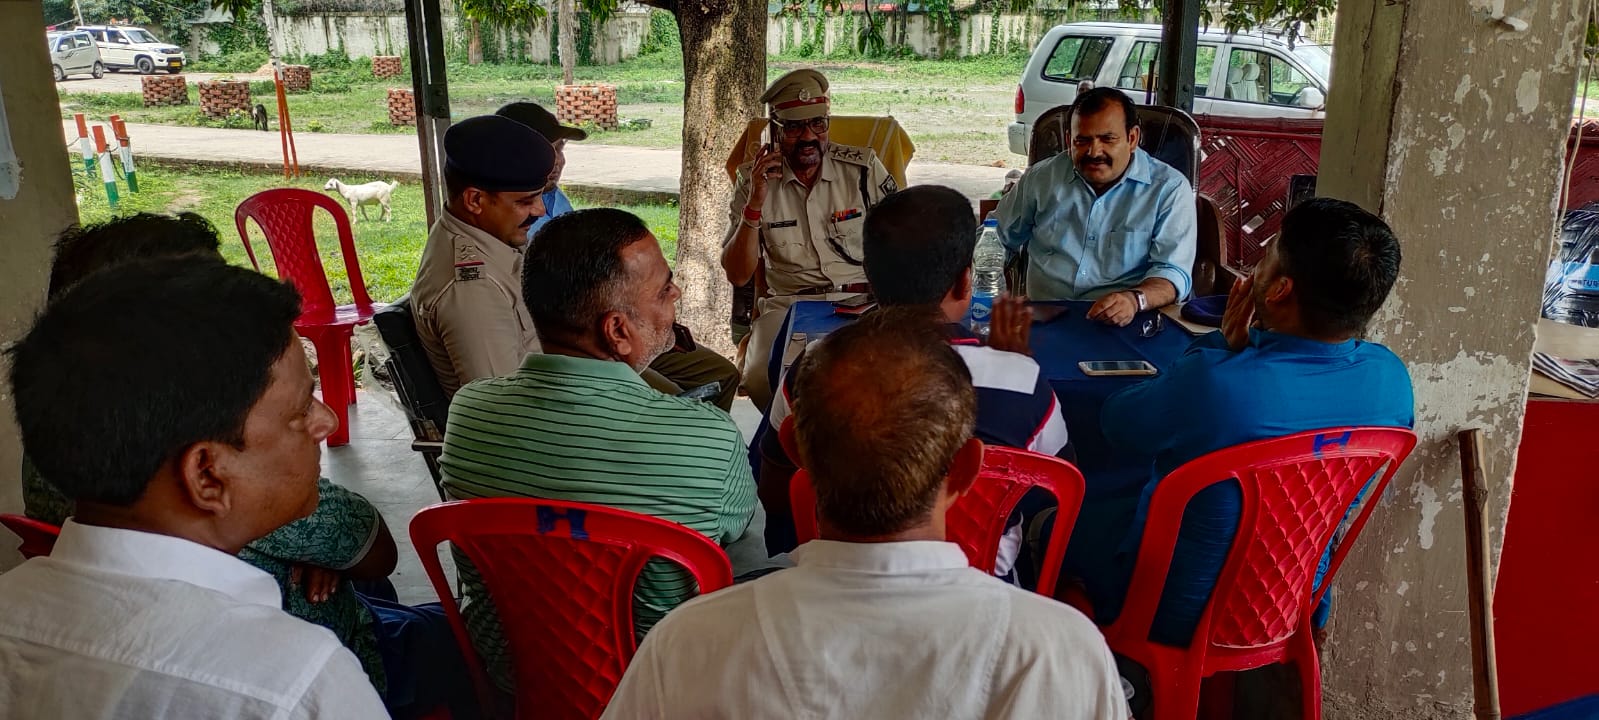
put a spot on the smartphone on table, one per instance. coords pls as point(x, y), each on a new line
point(1115, 368)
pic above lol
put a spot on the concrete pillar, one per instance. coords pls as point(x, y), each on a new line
point(42, 207)
point(1451, 125)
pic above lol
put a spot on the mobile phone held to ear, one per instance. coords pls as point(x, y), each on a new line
point(683, 339)
point(1115, 368)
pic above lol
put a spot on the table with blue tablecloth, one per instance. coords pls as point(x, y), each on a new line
point(1058, 346)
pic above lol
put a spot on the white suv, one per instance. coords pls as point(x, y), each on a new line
point(1242, 75)
point(124, 47)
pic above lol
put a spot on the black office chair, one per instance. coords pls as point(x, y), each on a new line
point(423, 398)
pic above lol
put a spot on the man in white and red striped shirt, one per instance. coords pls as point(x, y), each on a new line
point(918, 246)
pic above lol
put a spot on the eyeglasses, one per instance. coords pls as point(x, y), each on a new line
point(795, 128)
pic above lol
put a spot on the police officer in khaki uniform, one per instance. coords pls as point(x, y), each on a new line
point(467, 298)
point(800, 205)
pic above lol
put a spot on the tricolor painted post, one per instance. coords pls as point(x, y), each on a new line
point(120, 129)
point(106, 173)
point(84, 146)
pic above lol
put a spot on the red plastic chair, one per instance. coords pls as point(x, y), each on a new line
point(569, 570)
point(285, 218)
point(1296, 492)
point(38, 538)
point(976, 521)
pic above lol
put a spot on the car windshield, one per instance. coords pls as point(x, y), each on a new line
point(1317, 59)
point(140, 36)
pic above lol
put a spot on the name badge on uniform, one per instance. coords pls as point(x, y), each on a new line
point(783, 224)
point(470, 270)
point(849, 214)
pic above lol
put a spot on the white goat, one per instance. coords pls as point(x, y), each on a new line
point(360, 196)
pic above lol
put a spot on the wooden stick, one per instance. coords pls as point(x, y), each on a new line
point(1479, 578)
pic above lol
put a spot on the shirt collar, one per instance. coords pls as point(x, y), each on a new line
point(1279, 342)
point(490, 248)
point(1137, 171)
point(164, 557)
point(889, 557)
point(589, 367)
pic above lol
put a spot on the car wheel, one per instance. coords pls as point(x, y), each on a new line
point(56, 71)
point(98, 71)
point(146, 66)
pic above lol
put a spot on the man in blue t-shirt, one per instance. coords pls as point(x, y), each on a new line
point(684, 368)
point(1288, 359)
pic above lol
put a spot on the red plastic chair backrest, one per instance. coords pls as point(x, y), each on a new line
point(1296, 492)
point(285, 217)
point(568, 569)
point(38, 538)
point(977, 520)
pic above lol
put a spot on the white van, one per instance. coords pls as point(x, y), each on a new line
point(73, 53)
point(135, 48)
point(1242, 75)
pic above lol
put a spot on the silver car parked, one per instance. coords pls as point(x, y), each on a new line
point(74, 53)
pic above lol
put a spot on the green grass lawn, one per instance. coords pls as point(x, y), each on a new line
point(955, 110)
point(389, 251)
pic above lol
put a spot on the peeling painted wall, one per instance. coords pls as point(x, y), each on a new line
point(1451, 125)
point(42, 208)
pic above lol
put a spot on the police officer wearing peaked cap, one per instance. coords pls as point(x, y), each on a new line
point(799, 206)
point(467, 298)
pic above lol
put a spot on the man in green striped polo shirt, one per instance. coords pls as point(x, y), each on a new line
point(577, 423)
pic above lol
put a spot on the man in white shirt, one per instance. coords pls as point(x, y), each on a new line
point(182, 422)
point(881, 618)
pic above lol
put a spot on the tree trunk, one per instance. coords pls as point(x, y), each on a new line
point(724, 67)
point(474, 48)
point(567, 28)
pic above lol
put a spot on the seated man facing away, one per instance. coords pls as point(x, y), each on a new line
point(1105, 222)
point(1288, 360)
point(881, 618)
point(408, 652)
point(183, 425)
point(918, 247)
point(675, 371)
point(577, 422)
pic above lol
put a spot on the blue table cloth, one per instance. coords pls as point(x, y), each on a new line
point(1058, 346)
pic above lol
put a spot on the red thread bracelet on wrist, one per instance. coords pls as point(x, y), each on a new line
point(751, 214)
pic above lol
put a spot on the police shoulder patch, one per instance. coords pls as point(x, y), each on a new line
point(472, 270)
point(888, 186)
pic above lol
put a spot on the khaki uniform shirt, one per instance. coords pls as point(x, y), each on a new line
point(812, 239)
point(467, 301)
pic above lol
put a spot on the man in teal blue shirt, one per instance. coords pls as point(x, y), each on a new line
point(1105, 222)
point(1288, 360)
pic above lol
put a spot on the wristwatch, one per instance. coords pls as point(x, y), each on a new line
point(1143, 302)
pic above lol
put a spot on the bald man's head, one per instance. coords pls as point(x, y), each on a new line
point(881, 409)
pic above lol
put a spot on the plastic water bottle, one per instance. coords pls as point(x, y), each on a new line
point(988, 277)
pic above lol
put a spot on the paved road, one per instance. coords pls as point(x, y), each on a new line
point(361, 158)
point(128, 81)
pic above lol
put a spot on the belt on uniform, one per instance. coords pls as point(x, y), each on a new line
point(824, 290)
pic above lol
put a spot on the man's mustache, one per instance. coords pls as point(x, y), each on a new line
point(529, 221)
point(1085, 162)
point(807, 144)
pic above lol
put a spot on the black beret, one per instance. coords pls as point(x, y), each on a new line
point(498, 154)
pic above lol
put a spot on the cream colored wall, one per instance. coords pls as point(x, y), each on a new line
point(42, 208)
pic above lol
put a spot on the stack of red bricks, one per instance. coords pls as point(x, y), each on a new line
point(590, 103)
point(218, 98)
point(165, 90)
point(296, 78)
point(387, 66)
point(402, 107)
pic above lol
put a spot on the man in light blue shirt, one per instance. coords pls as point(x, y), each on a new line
point(1288, 360)
point(1106, 222)
point(555, 201)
